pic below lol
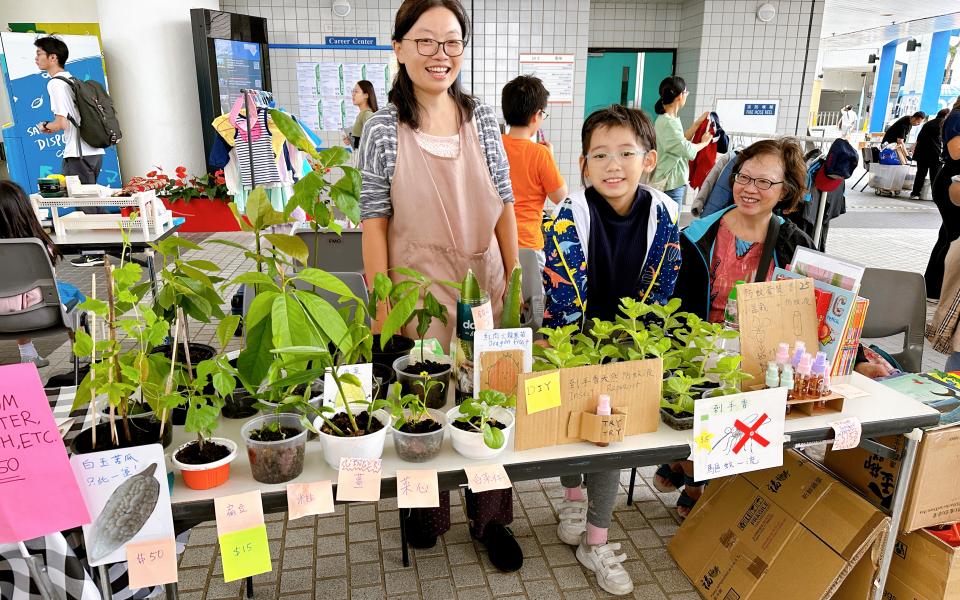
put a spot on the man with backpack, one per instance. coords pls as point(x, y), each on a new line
point(83, 115)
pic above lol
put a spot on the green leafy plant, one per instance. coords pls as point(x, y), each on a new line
point(696, 342)
point(678, 393)
point(187, 284)
point(410, 408)
point(409, 299)
point(730, 374)
point(477, 413)
point(561, 352)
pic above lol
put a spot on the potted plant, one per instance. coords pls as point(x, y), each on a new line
point(417, 430)
point(730, 374)
point(201, 200)
point(480, 427)
point(411, 298)
point(679, 395)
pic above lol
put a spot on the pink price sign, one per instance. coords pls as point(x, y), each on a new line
point(38, 491)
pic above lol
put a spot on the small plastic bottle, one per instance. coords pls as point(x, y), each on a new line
point(786, 380)
point(603, 409)
point(825, 387)
point(818, 371)
point(783, 355)
point(772, 378)
point(801, 378)
point(799, 349)
point(730, 318)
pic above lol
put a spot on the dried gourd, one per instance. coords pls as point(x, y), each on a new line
point(125, 513)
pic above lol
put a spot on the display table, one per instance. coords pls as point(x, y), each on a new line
point(153, 217)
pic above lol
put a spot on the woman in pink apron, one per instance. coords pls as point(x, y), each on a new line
point(436, 197)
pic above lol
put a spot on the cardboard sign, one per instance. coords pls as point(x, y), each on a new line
point(245, 553)
point(359, 480)
point(38, 491)
point(128, 485)
point(542, 392)
point(598, 428)
point(633, 387)
point(331, 393)
point(503, 354)
point(238, 512)
point(483, 478)
point(417, 489)
point(152, 563)
point(306, 499)
point(738, 433)
point(774, 312)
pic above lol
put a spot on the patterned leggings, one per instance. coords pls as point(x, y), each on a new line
point(495, 506)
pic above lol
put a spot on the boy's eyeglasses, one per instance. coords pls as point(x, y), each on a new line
point(429, 47)
point(544, 113)
point(759, 183)
point(623, 156)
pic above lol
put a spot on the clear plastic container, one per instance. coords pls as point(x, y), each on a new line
point(420, 447)
point(275, 462)
point(437, 397)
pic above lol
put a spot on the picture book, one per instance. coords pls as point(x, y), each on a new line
point(936, 389)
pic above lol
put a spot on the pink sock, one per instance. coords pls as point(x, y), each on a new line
point(574, 493)
point(596, 535)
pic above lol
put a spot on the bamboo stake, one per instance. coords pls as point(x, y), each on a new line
point(173, 363)
point(93, 359)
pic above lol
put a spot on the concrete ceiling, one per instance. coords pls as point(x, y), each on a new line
point(861, 24)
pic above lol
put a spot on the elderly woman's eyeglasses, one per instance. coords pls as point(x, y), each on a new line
point(758, 182)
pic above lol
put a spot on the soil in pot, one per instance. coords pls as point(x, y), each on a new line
point(437, 395)
point(198, 352)
point(279, 464)
point(365, 422)
point(423, 426)
point(195, 454)
point(431, 368)
point(678, 421)
point(476, 421)
point(279, 434)
point(239, 405)
point(141, 434)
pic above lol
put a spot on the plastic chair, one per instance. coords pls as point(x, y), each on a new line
point(334, 253)
point(531, 289)
point(897, 305)
point(25, 265)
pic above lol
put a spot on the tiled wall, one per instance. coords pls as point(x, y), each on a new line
point(629, 24)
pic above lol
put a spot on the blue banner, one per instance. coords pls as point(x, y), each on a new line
point(333, 40)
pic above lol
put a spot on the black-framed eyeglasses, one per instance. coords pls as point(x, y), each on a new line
point(429, 47)
point(758, 182)
point(544, 113)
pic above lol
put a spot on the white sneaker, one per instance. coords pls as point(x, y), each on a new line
point(604, 561)
point(573, 521)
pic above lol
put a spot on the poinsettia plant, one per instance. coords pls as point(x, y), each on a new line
point(180, 186)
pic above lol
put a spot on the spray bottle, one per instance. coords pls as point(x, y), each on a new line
point(799, 348)
point(772, 378)
point(801, 379)
point(786, 380)
point(816, 379)
point(603, 409)
point(783, 356)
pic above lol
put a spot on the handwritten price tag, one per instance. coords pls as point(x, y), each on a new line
point(848, 391)
point(359, 480)
point(483, 478)
point(482, 316)
point(238, 512)
point(417, 489)
point(542, 393)
point(846, 433)
point(305, 499)
point(152, 563)
point(245, 553)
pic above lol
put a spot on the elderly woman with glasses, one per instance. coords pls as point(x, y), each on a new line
point(743, 242)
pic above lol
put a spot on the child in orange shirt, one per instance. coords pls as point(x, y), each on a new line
point(533, 170)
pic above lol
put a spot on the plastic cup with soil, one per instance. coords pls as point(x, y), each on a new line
point(276, 445)
point(364, 442)
point(410, 371)
point(316, 399)
point(239, 405)
point(207, 465)
point(397, 346)
point(383, 376)
point(419, 441)
point(469, 442)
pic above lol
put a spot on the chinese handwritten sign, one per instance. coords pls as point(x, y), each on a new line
point(38, 492)
point(417, 489)
point(242, 535)
point(496, 351)
point(774, 312)
point(305, 499)
point(846, 433)
point(483, 478)
point(738, 433)
point(239, 511)
point(543, 392)
point(153, 562)
point(359, 480)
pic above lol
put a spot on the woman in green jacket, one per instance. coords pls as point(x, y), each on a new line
point(675, 149)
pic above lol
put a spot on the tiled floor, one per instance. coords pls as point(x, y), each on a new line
point(355, 554)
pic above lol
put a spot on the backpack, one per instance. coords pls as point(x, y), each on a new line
point(98, 124)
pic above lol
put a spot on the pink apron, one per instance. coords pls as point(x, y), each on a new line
point(444, 214)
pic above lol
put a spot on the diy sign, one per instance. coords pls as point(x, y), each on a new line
point(128, 497)
point(773, 312)
point(738, 433)
point(417, 489)
point(359, 480)
point(305, 499)
point(242, 534)
point(633, 387)
point(38, 492)
point(542, 392)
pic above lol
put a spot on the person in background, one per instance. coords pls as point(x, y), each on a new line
point(18, 220)
point(848, 121)
point(927, 152)
point(900, 130)
point(943, 331)
point(949, 212)
point(533, 168)
point(626, 234)
point(675, 149)
point(365, 98)
point(436, 198)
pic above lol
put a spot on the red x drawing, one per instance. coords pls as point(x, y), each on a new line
point(750, 433)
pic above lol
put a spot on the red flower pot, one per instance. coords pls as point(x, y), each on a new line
point(203, 215)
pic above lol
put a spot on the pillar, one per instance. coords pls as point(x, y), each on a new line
point(881, 86)
point(936, 63)
point(151, 72)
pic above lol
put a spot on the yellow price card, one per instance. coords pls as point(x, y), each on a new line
point(245, 553)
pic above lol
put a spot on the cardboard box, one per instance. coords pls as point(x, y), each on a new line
point(898, 590)
point(592, 427)
point(924, 566)
point(934, 495)
point(793, 532)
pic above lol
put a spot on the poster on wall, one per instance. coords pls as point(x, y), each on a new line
point(325, 90)
point(749, 115)
point(556, 72)
point(32, 154)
